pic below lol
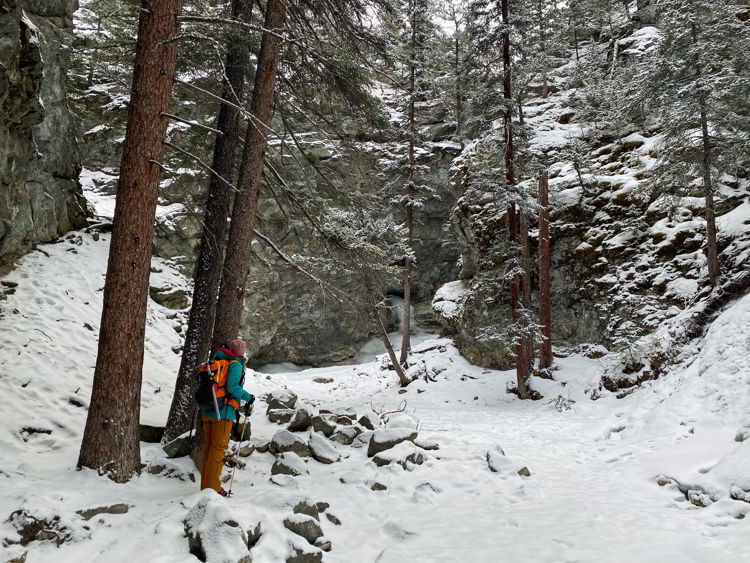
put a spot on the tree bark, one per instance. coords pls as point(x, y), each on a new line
point(712, 247)
point(411, 190)
point(244, 212)
point(522, 367)
point(207, 276)
point(111, 438)
point(545, 315)
point(525, 260)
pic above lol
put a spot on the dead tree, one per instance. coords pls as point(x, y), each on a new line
point(244, 212)
point(111, 437)
point(208, 267)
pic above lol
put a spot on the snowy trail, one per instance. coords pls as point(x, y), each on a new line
point(592, 494)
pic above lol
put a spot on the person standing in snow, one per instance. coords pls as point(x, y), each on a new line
point(218, 426)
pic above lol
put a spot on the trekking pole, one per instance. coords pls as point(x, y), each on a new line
point(237, 453)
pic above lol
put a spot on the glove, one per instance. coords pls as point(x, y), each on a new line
point(249, 407)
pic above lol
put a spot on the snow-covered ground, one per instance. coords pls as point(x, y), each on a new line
point(592, 493)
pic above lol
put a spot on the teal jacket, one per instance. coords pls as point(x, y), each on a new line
point(234, 377)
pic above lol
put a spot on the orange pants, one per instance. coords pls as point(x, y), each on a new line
point(215, 441)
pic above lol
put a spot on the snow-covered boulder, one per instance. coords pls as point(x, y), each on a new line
point(324, 423)
point(214, 532)
point(281, 399)
point(285, 441)
point(303, 552)
point(362, 440)
point(369, 421)
point(289, 463)
point(449, 300)
point(404, 454)
point(498, 462)
point(301, 420)
point(387, 438)
point(304, 525)
point(401, 420)
point(322, 449)
point(280, 416)
point(345, 434)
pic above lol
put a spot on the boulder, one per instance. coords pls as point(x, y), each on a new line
point(301, 420)
point(369, 421)
point(345, 435)
point(401, 420)
point(498, 462)
point(325, 423)
point(171, 298)
point(281, 399)
point(304, 525)
point(362, 440)
point(303, 552)
point(170, 470)
point(289, 463)
point(307, 507)
point(427, 444)
point(280, 416)
point(89, 513)
point(402, 454)
point(214, 532)
point(322, 449)
point(240, 430)
point(179, 447)
point(286, 481)
point(387, 438)
point(333, 519)
point(323, 543)
point(151, 434)
point(285, 441)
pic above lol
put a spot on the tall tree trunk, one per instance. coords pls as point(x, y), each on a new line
point(214, 237)
point(712, 247)
point(525, 261)
point(244, 212)
point(457, 71)
point(545, 315)
point(540, 17)
point(111, 437)
point(412, 192)
point(510, 180)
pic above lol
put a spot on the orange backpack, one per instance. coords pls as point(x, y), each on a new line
point(212, 393)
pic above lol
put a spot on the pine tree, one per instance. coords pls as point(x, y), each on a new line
point(210, 261)
point(244, 211)
point(698, 77)
point(111, 437)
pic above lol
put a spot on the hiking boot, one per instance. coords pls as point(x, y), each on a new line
point(223, 493)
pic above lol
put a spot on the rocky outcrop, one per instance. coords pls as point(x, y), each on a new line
point(288, 317)
point(40, 198)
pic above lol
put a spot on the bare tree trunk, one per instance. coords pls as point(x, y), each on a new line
point(712, 247)
point(412, 192)
point(457, 70)
point(244, 213)
point(210, 261)
point(389, 348)
point(111, 437)
point(525, 260)
point(540, 17)
point(513, 219)
point(545, 315)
